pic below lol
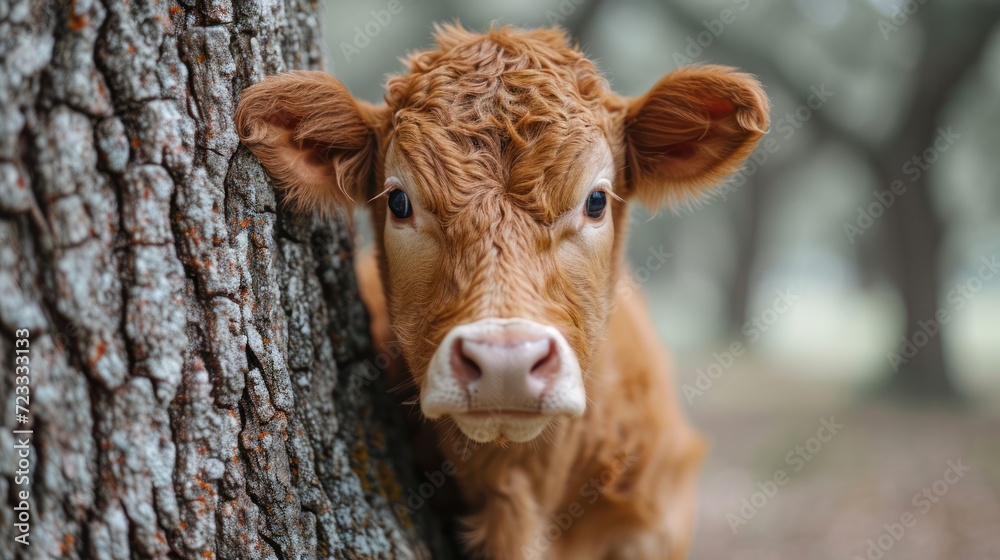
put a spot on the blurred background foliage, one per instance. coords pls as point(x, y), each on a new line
point(859, 89)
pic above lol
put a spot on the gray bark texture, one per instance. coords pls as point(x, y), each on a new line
point(202, 381)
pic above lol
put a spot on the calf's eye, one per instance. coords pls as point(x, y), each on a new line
point(399, 204)
point(595, 204)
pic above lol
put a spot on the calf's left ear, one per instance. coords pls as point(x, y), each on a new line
point(693, 128)
point(314, 139)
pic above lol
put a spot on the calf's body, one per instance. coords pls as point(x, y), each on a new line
point(617, 483)
point(498, 174)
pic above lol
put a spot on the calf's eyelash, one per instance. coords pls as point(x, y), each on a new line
point(391, 185)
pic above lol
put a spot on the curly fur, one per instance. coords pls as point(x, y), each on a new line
point(494, 131)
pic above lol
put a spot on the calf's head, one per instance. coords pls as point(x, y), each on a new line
point(497, 173)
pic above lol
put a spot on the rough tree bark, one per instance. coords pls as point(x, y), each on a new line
point(200, 372)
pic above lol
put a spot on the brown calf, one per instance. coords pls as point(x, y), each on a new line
point(498, 173)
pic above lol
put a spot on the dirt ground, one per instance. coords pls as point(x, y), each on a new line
point(893, 482)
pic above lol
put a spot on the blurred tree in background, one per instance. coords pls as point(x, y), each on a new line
point(907, 246)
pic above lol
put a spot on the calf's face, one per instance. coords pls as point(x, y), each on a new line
point(497, 174)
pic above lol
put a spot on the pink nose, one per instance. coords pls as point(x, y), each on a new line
point(496, 366)
point(509, 369)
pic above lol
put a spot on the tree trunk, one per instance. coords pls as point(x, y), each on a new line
point(200, 382)
point(912, 245)
point(915, 230)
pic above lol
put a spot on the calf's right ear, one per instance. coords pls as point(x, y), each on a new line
point(312, 137)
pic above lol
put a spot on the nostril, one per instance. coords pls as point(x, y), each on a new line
point(463, 368)
point(548, 366)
